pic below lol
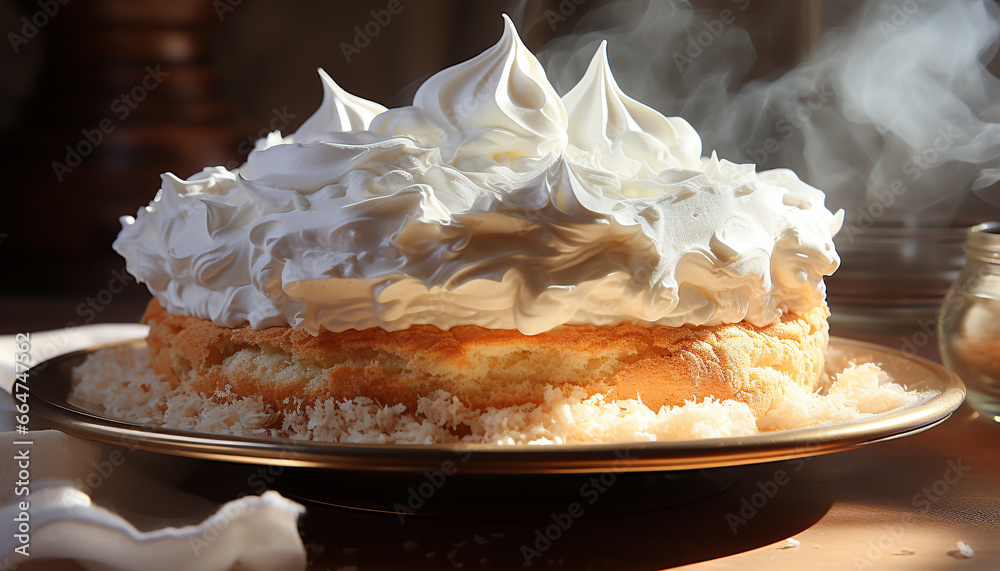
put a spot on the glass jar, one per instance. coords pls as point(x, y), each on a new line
point(969, 327)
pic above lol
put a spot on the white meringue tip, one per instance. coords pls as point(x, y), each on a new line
point(838, 222)
point(599, 64)
point(510, 32)
point(329, 85)
point(602, 50)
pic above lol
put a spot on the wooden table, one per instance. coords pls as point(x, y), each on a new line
point(900, 504)
point(896, 505)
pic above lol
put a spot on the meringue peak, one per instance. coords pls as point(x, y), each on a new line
point(490, 201)
point(498, 105)
point(338, 112)
point(601, 114)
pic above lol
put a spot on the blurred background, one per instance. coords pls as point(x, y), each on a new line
point(890, 107)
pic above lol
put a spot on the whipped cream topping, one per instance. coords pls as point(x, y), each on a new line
point(490, 201)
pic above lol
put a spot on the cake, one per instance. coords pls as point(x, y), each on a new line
point(493, 246)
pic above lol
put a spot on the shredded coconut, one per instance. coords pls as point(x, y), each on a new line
point(118, 382)
point(965, 549)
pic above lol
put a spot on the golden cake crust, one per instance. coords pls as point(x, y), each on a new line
point(488, 367)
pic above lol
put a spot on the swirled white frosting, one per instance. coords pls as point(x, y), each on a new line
point(490, 201)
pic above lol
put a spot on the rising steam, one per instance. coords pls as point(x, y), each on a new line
point(896, 109)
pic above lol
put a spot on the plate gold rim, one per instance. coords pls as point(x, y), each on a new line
point(50, 383)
